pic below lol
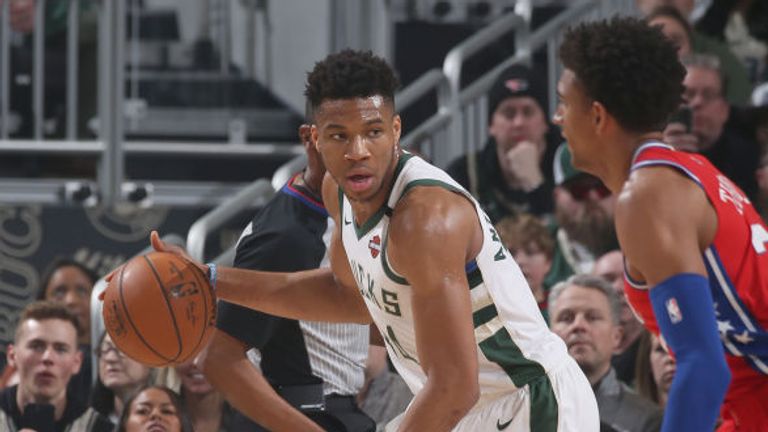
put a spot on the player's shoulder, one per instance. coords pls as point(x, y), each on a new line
point(654, 186)
point(431, 211)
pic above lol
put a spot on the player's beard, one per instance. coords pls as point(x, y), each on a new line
point(594, 229)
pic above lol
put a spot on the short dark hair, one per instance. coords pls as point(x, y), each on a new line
point(45, 310)
point(350, 74)
point(58, 263)
point(181, 411)
point(629, 67)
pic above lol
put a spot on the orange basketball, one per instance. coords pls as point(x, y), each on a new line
point(159, 309)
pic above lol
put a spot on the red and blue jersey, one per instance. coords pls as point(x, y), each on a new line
point(737, 267)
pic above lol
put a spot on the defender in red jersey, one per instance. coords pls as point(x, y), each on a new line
point(696, 260)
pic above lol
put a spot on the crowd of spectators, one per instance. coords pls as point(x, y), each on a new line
point(555, 220)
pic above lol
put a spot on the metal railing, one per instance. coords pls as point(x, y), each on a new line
point(256, 194)
point(452, 68)
point(460, 125)
point(109, 147)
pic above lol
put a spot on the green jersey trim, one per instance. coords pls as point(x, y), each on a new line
point(544, 409)
point(341, 210)
point(502, 350)
point(372, 221)
point(474, 277)
point(396, 278)
point(429, 182)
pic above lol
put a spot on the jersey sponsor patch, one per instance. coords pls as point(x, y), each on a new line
point(673, 310)
point(375, 245)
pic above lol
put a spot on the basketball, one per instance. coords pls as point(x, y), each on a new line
point(159, 309)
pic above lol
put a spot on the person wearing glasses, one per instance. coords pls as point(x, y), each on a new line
point(584, 217)
point(715, 131)
point(46, 356)
point(120, 377)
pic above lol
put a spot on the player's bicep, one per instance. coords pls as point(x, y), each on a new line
point(428, 246)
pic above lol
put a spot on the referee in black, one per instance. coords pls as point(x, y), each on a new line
point(311, 371)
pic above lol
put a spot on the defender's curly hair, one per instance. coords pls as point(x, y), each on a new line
point(629, 67)
point(350, 74)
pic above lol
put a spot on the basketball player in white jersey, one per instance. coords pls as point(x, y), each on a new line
point(414, 254)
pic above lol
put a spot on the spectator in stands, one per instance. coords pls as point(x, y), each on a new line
point(715, 133)
point(511, 174)
point(584, 310)
point(674, 26)
point(45, 354)
point(743, 26)
point(584, 216)
point(120, 377)
point(655, 369)
point(531, 244)
point(610, 266)
point(70, 283)
point(308, 364)
point(154, 408)
point(208, 411)
point(739, 87)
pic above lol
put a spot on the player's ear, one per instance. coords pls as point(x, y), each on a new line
point(599, 116)
point(397, 127)
point(11, 355)
point(313, 136)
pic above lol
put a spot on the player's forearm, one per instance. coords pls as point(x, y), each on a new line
point(685, 313)
point(311, 295)
point(248, 391)
point(690, 393)
point(440, 405)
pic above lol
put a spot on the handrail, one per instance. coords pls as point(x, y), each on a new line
point(97, 322)
point(452, 66)
point(257, 193)
point(432, 79)
point(479, 87)
point(425, 129)
point(95, 147)
point(536, 40)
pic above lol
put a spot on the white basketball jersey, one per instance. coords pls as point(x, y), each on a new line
point(514, 344)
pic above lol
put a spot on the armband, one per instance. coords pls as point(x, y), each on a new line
point(684, 310)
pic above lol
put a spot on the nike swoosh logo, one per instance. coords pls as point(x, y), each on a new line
point(346, 222)
point(501, 426)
